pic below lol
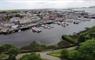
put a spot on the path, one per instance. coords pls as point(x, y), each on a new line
point(44, 56)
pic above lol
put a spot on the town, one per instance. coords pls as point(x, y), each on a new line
point(20, 20)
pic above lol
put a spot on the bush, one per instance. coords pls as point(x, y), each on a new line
point(74, 55)
point(10, 50)
point(34, 47)
point(86, 51)
point(31, 56)
point(5, 47)
point(64, 54)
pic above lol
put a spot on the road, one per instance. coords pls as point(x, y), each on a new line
point(44, 56)
point(20, 55)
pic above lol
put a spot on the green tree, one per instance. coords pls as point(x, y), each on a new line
point(74, 55)
point(5, 47)
point(88, 50)
point(12, 52)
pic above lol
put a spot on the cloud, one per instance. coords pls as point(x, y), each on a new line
point(31, 4)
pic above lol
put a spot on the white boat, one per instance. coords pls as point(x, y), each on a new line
point(35, 29)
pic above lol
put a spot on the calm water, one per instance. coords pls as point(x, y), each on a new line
point(47, 36)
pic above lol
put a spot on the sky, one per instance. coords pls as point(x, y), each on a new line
point(36, 4)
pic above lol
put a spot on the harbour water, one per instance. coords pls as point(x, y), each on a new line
point(47, 36)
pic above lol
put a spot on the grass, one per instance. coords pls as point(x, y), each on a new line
point(57, 53)
point(69, 38)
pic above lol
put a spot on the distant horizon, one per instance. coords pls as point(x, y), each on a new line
point(42, 4)
point(43, 8)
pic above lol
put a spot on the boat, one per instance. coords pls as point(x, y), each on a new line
point(35, 29)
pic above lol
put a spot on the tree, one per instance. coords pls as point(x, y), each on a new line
point(31, 56)
point(88, 49)
point(74, 55)
point(5, 47)
point(12, 52)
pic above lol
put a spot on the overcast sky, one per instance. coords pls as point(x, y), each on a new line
point(32, 4)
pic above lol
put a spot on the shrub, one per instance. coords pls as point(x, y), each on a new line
point(86, 51)
point(74, 55)
point(31, 56)
point(64, 54)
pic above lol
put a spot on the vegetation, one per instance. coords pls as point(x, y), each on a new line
point(36, 47)
point(12, 52)
point(33, 47)
point(72, 40)
point(85, 46)
point(8, 51)
point(3, 56)
point(57, 53)
point(31, 56)
point(86, 51)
